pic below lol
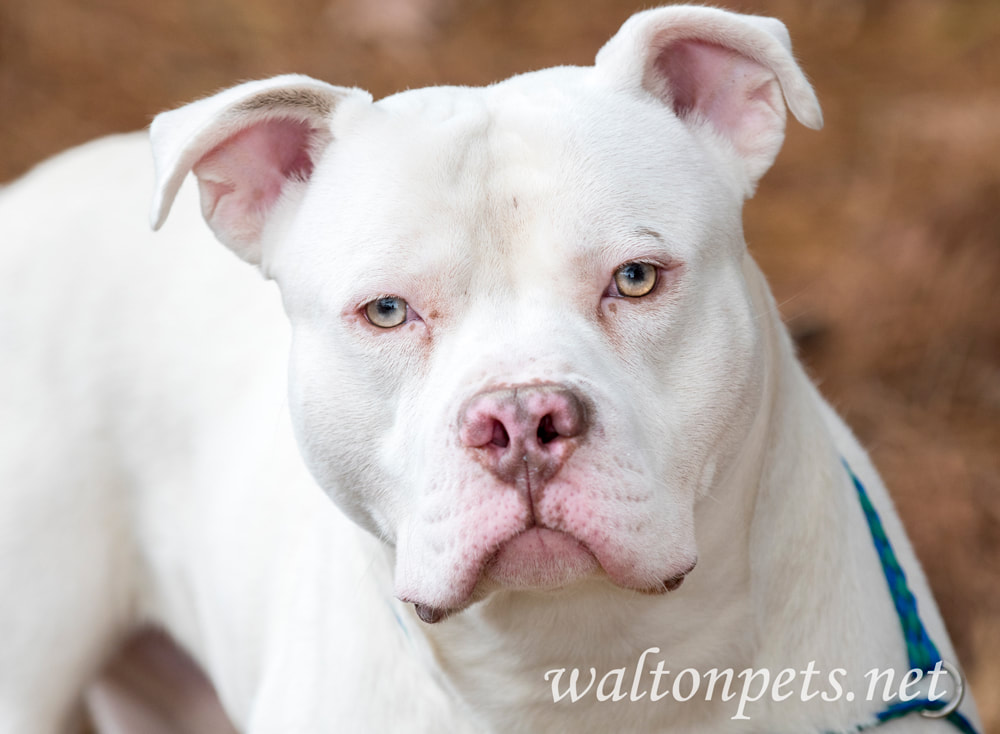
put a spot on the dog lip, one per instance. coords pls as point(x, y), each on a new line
point(671, 584)
point(540, 557)
point(674, 583)
point(429, 614)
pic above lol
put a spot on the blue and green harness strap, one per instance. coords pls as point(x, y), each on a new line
point(920, 649)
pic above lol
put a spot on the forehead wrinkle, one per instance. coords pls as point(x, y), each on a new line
point(508, 174)
point(572, 222)
point(527, 182)
point(460, 216)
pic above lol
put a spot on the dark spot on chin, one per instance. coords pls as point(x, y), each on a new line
point(429, 614)
point(674, 583)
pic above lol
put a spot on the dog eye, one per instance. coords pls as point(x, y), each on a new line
point(386, 312)
point(634, 280)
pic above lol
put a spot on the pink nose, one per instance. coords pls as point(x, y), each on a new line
point(523, 431)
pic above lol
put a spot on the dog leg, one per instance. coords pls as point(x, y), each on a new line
point(64, 571)
point(153, 687)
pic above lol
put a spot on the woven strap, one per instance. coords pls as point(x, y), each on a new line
point(920, 649)
point(917, 705)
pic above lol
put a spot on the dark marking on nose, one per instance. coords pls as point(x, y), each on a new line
point(533, 427)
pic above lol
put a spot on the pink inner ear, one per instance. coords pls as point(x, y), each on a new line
point(242, 178)
point(738, 96)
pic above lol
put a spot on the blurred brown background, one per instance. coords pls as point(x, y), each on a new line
point(881, 234)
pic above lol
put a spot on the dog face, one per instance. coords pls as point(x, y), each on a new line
point(514, 383)
point(523, 346)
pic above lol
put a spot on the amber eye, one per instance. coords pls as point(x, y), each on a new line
point(635, 280)
point(387, 312)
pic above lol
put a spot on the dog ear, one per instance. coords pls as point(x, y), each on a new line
point(247, 146)
point(722, 73)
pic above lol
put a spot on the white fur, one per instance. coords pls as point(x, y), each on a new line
point(151, 455)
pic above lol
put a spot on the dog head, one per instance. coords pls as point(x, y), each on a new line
point(523, 345)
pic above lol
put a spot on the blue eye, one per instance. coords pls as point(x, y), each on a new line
point(634, 280)
point(386, 312)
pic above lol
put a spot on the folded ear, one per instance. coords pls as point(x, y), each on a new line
point(722, 73)
point(248, 146)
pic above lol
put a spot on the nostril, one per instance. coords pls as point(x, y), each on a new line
point(500, 436)
point(547, 430)
point(502, 422)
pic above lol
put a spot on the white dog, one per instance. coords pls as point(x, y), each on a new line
point(531, 362)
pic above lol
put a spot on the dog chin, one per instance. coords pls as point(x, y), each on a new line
point(540, 558)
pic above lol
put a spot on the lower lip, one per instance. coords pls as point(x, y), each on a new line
point(541, 558)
